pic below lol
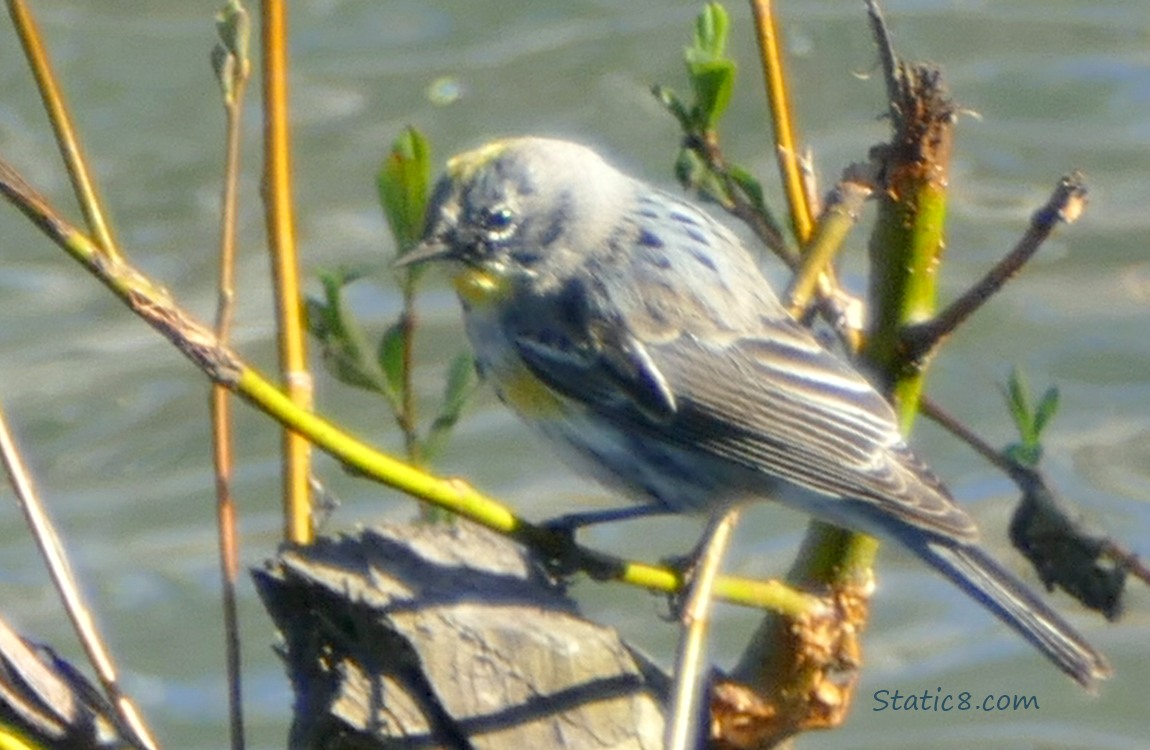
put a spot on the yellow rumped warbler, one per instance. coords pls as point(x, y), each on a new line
point(628, 325)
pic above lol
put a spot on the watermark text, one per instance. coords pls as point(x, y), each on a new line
point(930, 701)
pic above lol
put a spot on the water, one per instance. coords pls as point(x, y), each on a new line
point(114, 425)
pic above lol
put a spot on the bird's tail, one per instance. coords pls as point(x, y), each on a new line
point(987, 582)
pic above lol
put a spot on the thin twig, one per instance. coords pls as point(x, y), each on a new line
point(934, 411)
point(690, 678)
point(747, 212)
point(1127, 560)
point(228, 541)
point(407, 413)
point(888, 61)
point(66, 139)
point(810, 182)
point(56, 559)
point(1065, 205)
point(736, 201)
point(232, 69)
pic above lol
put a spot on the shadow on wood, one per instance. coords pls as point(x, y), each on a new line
point(446, 636)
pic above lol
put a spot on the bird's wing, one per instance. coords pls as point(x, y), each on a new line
point(776, 402)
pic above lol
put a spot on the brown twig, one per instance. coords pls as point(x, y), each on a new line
point(1065, 205)
point(232, 68)
point(735, 200)
point(934, 411)
point(1127, 560)
point(406, 416)
point(888, 61)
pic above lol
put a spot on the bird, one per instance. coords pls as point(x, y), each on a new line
point(637, 333)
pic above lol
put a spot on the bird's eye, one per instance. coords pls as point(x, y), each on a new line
point(497, 220)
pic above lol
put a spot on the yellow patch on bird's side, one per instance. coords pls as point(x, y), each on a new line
point(527, 394)
point(462, 167)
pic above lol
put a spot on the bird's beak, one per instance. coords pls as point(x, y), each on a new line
point(438, 234)
point(430, 249)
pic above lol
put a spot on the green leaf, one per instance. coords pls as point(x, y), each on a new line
point(712, 73)
point(340, 337)
point(461, 384)
point(230, 55)
point(750, 186)
point(323, 314)
point(673, 104)
point(315, 317)
point(461, 380)
point(692, 171)
point(714, 187)
point(390, 358)
point(404, 182)
point(1047, 408)
point(689, 168)
point(235, 28)
point(1030, 421)
point(1018, 401)
point(713, 82)
point(753, 189)
point(711, 29)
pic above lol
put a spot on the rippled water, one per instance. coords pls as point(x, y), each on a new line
point(113, 420)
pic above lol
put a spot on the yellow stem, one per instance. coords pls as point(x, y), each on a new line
point(285, 267)
point(66, 139)
point(786, 150)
